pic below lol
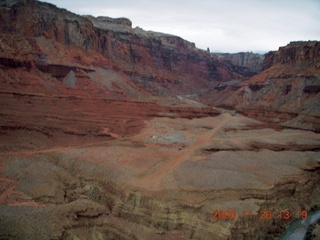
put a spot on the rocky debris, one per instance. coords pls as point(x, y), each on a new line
point(97, 190)
point(93, 147)
point(161, 61)
point(70, 80)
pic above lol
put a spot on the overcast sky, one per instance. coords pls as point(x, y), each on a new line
point(221, 25)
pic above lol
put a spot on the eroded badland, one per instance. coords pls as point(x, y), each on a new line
point(109, 132)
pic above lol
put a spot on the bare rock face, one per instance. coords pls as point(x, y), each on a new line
point(252, 61)
point(102, 135)
point(298, 54)
point(113, 24)
point(165, 64)
point(288, 86)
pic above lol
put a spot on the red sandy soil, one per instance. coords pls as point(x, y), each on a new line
point(166, 153)
point(8, 190)
point(155, 178)
point(108, 151)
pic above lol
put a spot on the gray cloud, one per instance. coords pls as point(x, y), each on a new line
point(225, 26)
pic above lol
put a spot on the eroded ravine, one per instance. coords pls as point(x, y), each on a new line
point(88, 189)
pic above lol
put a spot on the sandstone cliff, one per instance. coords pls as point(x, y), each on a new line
point(296, 54)
point(289, 86)
point(91, 148)
point(252, 61)
point(56, 41)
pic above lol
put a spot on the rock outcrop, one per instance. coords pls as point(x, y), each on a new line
point(103, 135)
point(93, 192)
point(42, 34)
point(296, 54)
point(250, 60)
point(288, 86)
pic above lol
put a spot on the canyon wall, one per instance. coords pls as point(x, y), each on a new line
point(288, 88)
point(163, 64)
point(76, 94)
point(298, 54)
point(250, 60)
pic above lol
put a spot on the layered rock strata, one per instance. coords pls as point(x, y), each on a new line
point(44, 35)
point(252, 61)
point(91, 149)
point(287, 88)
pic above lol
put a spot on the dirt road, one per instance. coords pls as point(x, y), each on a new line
point(154, 179)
